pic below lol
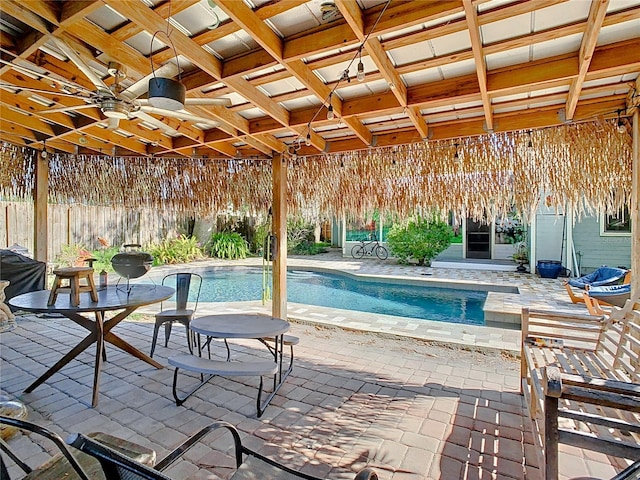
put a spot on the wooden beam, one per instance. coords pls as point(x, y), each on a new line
point(249, 21)
point(634, 212)
point(587, 46)
point(279, 228)
point(481, 68)
point(150, 21)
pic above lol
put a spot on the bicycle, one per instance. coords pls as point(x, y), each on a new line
point(369, 248)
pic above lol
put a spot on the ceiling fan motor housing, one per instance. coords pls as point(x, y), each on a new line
point(166, 93)
point(114, 108)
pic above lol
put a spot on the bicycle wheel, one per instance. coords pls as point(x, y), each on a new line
point(381, 252)
point(357, 251)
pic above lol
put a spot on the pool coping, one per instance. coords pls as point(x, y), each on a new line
point(505, 308)
point(495, 313)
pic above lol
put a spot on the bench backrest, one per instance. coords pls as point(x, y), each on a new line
point(572, 330)
point(622, 340)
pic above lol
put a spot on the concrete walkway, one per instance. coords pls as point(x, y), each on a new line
point(411, 409)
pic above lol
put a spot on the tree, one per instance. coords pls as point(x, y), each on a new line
point(420, 239)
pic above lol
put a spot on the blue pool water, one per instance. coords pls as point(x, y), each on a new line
point(339, 291)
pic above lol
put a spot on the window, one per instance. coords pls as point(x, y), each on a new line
point(618, 223)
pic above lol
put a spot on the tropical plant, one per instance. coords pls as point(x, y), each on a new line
point(420, 239)
point(181, 249)
point(229, 245)
point(72, 255)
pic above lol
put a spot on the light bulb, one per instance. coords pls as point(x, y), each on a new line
point(360, 75)
point(330, 114)
point(621, 126)
point(307, 142)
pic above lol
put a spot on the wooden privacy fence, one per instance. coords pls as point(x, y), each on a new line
point(80, 224)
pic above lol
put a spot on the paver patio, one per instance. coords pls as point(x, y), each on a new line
point(409, 408)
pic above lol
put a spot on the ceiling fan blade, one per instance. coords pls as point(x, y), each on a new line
point(182, 115)
point(145, 117)
point(225, 102)
point(168, 70)
point(36, 90)
point(84, 68)
point(113, 123)
point(68, 109)
point(28, 71)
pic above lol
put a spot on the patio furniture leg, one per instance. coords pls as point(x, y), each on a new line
point(180, 401)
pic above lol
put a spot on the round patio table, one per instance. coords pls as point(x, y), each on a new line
point(111, 298)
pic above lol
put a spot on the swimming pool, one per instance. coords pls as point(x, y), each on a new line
point(344, 292)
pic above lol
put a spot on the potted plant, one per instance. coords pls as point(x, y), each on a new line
point(520, 256)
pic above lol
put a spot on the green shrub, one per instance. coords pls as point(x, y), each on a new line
point(299, 231)
point(420, 239)
point(259, 236)
point(103, 258)
point(229, 245)
point(309, 248)
point(182, 249)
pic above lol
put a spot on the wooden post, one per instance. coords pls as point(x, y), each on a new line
point(552, 390)
point(41, 209)
point(635, 207)
point(279, 210)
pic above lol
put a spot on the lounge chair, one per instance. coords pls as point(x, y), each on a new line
point(602, 276)
point(250, 465)
point(611, 295)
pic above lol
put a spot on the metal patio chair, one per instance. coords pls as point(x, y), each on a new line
point(249, 465)
point(68, 463)
point(183, 310)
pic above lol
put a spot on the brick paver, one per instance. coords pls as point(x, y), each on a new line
point(409, 408)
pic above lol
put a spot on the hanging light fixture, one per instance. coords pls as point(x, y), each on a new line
point(330, 114)
point(360, 75)
point(622, 128)
point(166, 93)
point(307, 141)
point(530, 143)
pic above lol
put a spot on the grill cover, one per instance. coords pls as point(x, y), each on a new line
point(24, 273)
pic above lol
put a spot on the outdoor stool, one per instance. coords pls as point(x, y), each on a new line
point(73, 275)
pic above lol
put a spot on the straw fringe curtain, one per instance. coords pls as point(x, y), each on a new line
point(584, 166)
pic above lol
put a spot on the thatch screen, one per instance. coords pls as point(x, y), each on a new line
point(584, 166)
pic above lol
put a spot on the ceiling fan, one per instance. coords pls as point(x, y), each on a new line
point(119, 103)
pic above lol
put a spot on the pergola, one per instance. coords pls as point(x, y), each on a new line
point(399, 103)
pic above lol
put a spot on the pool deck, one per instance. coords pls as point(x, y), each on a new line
point(502, 310)
point(410, 409)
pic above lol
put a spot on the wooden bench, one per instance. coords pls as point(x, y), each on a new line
point(591, 360)
point(211, 368)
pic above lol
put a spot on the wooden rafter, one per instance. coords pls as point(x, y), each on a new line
point(587, 46)
point(404, 43)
